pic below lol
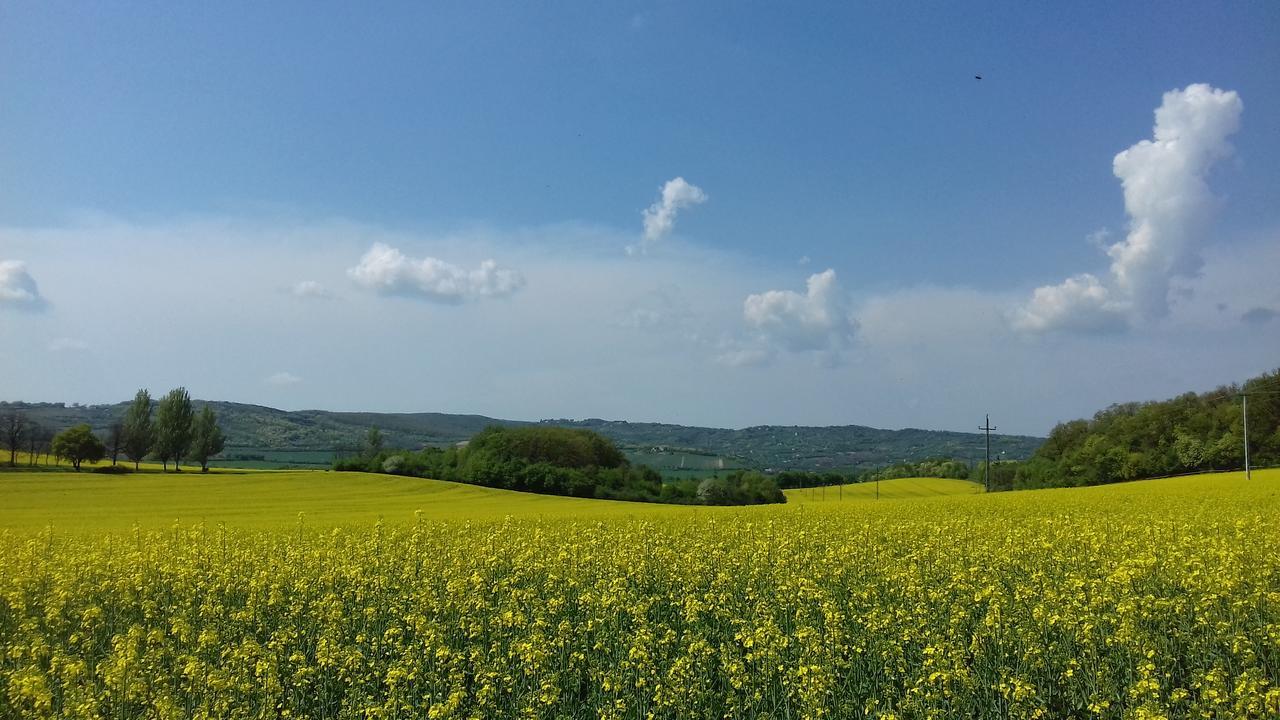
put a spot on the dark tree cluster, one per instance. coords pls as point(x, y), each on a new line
point(175, 433)
point(20, 434)
point(556, 461)
point(740, 487)
point(789, 479)
point(1187, 434)
point(936, 467)
point(933, 468)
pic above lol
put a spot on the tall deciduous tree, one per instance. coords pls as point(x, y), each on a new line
point(35, 437)
point(173, 427)
point(115, 440)
point(13, 428)
point(78, 444)
point(139, 434)
point(207, 439)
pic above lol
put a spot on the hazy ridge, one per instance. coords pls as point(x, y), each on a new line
point(310, 437)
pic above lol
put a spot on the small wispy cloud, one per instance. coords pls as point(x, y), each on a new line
point(283, 378)
point(1099, 238)
point(744, 356)
point(661, 309)
point(18, 289)
point(66, 344)
point(310, 289)
point(660, 217)
point(388, 271)
point(1259, 315)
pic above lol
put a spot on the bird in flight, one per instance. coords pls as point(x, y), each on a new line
point(977, 77)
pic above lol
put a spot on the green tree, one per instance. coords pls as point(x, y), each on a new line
point(1188, 449)
point(373, 443)
point(714, 491)
point(173, 428)
point(1226, 452)
point(139, 434)
point(207, 439)
point(78, 444)
point(115, 440)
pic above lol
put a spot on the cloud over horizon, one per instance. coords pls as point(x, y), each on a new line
point(595, 334)
point(818, 319)
point(283, 378)
point(17, 288)
point(1080, 303)
point(1170, 206)
point(388, 271)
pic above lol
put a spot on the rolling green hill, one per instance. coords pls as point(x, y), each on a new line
point(266, 437)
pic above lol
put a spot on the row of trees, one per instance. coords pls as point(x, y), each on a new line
point(1187, 434)
point(933, 467)
point(556, 461)
point(18, 434)
point(173, 433)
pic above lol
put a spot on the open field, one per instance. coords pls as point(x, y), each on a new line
point(1151, 599)
point(897, 488)
point(85, 502)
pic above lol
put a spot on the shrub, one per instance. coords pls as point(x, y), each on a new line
point(113, 470)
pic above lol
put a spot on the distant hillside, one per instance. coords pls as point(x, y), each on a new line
point(266, 437)
point(784, 447)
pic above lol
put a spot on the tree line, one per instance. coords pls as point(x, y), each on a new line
point(1190, 433)
point(931, 467)
point(557, 461)
point(170, 431)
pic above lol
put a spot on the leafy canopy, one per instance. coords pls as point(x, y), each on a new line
point(78, 444)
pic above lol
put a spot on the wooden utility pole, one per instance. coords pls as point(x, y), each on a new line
point(986, 479)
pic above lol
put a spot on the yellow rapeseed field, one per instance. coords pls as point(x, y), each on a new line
point(1147, 600)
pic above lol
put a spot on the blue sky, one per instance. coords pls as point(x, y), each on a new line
point(199, 163)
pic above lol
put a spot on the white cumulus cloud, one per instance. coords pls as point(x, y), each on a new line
point(283, 378)
point(1081, 303)
point(818, 319)
point(1170, 205)
point(660, 217)
point(386, 270)
point(17, 288)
